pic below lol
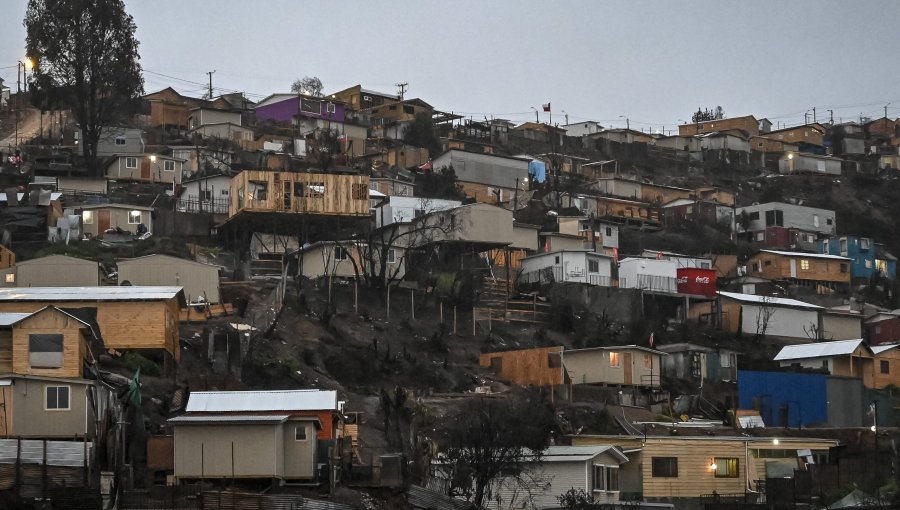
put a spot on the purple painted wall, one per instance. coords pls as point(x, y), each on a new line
point(286, 110)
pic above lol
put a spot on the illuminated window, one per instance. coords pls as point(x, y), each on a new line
point(134, 217)
point(11, 278)
point(726, 467)
point(87, 217)
point(614, 359)
point(804, 264)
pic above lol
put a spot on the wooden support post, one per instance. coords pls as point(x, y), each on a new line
point(355, 296)
point(389, 302)
point(454, 319)
point(412, 304)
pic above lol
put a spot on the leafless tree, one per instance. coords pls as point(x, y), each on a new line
point(308, 86)
point(764, 312)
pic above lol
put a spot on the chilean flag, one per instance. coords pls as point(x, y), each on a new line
point(547, 107)
point(651, 339)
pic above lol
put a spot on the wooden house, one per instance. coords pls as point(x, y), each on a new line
point(128, 317)
point(681, 469)
point(800, 268)
point(50, 342)
point(541, 366)
point(805, 163)
point(255, 434)
point(97, 219)
point(142, 167)
point(7, 257)
point(628, 365)
point(52, 271)
point(199, 281)
point(748, 123)
point(169, 109)
point(848, 358)
point(699, 364)
point(299, 192)
point(886, 369)
point(51, 407)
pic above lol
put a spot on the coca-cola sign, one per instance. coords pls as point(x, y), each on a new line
point(696, 281)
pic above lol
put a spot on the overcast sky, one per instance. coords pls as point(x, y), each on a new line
point(652, 62)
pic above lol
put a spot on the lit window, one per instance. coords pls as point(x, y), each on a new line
point(726, 467)
point(169, 166)
point(130, 162)
point(134, 217)
point(87, 217)
point(868, 264)
point(57, 398)
point(804, 264)
point(11, 278)
point(614, 359)
point(300, 433)
point(45, 350)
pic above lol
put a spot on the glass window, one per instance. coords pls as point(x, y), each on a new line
point(648, 361)
point(754, 215)
point(664, 467)
point(593, 266)
point(614, 359)
point(804, 264)
point(726, 467)
point(391, 256)
point(87, 217)
point(605, 478)
point(130, 162)
point(134, 217)
point(120, 140)
point(11, 278)
point(340, 253)
point(169, 166)
point(45, 350)
point(57, 398)
point(885, 367)
point(300, 433)
point(864, 244)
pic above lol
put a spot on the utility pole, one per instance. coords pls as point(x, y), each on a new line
point(402, 89)
point(210, 73)
point(806, 117)
point(814, 114)
point(831, 116)
point(885, 110)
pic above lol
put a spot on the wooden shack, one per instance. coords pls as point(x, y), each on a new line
point(128, 317)
point(270, 191)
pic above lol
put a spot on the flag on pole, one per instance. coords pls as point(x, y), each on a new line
point(547, 107)
point(651, 339)
point(134, 388)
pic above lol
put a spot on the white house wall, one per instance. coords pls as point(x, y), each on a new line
point(783, 322)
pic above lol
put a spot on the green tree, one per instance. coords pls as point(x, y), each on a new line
point(86, 59)
point(421, 134)
point(309, 86)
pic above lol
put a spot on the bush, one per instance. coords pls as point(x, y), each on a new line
point(134, 362)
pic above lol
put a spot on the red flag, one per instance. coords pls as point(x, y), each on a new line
point(547, 107)
point(651, 339)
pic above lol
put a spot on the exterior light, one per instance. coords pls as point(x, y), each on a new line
point(873, 428)
point(776, 441)
point(712, 465)
point(790, 156)
point(153, 158)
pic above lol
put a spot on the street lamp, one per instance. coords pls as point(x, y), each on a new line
point(536, 118)
point(567, 117)
point(627, 122)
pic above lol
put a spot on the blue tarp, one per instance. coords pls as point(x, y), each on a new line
point(537, 169)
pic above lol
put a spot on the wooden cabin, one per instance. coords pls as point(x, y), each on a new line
point(269, 191)
point(49, 342)
point(128, 317)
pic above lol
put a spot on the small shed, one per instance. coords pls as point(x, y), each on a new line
point(97, 219)
point(198, 280)
point(52, 271)
point(578, 266)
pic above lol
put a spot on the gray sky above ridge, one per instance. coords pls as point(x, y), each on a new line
point(652, 62)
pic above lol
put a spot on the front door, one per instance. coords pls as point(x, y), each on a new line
point(627, 366)
point(145, 169)
point(793, 268)
point(102, 221)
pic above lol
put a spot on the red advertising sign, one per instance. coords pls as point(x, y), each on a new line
point(696, 281)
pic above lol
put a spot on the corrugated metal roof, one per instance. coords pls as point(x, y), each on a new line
point(420, 497)
point(284, 400)
point(579, 453)
point(59, 453)
point(878, 349)
point(818, 350)
point(127, 293)
point(202, 420)
point(768, 300)
point(805, 255)
point(9, 318)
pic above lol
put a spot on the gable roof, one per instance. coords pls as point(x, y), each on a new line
point(878, 349)
point(767, 300)
point(59, 259)
point(165, 258)
point(254, 401)
point(819, 350)
point(580, 453)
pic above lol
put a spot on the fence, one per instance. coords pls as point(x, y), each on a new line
point(193, 205)
point(651, 283)
point(553, 274)
point(190, 497)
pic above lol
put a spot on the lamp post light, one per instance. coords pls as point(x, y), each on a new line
point(627, 122)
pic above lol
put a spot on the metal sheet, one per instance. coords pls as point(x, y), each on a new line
point(59, 453)
point(87, 293)
point(285, 400)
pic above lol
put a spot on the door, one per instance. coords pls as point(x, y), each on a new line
point(628, 367)
point(102, 221)
point(793, 268)
point(145, 169)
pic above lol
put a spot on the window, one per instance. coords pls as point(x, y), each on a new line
point(605, 478)
point(754, 215)
point(664, 467)
point(843, 246)
point(224, 192)
point(169, 166)
point(286, 196)
point(825, 247)
point(804, 264)
point(408, 109)
point(134, 217)
point(329, 108)
point(648, 361)
point(57, 398)
point(391, 256)
point(608, 231)
point(864, 243)
point(726, 467)
point(829, 221)
point(341, 253)
point(760, 236)
point(45, 350)
point(311, 106)
point(868, 264)
point(300, 433)
point(120, 140)
point(774, 219)
point(10, 278)
point(844, 267)
point(87, 217)
point(593, 266)
point(815, 220)
point(614, 359)
point(556, 259)
point(130, 162)
point(885, 367)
